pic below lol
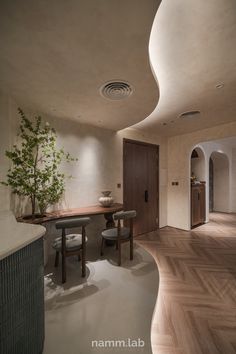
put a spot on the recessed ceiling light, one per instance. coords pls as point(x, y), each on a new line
point(189, 114)
point(219, 86)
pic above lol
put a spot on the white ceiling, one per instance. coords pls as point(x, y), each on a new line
point(192, 49)
point(56, 54)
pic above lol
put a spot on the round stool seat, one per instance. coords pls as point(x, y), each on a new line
point(73, 242)
point(112, 234)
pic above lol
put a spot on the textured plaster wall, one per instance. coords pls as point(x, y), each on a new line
point(100, 167)
point(221, 183)
point(7, 138)
point(179, 152)
point(233, 179)
point(100, 164)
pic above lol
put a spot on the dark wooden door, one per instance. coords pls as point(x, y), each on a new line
point(195, 201)
point(141, 184)
point(202, 204)
point(198, 204)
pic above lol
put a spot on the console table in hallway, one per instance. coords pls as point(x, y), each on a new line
point(82, 211)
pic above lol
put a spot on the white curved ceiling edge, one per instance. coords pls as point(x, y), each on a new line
point(55, 55)
point(192, 49)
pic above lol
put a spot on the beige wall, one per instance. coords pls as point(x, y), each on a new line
point(221, 182)
point(233, 179)
point(179, 151)
point(7, 138)
point(100, 165)
point(100, 162)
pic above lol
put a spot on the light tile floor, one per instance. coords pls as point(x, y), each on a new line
point(111, 303)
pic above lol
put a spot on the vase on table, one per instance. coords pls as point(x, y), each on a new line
point(106, 200)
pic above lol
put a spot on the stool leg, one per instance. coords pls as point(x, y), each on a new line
point(102, 246)
point(83, 261)
point(131, 248)
point(119, 252)
point(63, 268)
point(79, 258)
point(56, 259)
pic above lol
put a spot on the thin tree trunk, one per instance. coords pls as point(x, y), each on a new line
point(33, 205)
point(35, 184)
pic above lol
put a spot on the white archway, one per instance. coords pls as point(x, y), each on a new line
point(198, 164)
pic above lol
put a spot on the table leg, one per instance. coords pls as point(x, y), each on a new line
point(109, 225)
point(109, 220)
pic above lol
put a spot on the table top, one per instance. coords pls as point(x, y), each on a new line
point(82, 211)
point(14, 235)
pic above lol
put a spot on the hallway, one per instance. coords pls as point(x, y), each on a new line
point(196, 306)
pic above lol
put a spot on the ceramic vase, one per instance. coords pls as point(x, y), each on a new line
point(106, 200)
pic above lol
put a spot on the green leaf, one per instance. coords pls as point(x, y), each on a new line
point(35, 163)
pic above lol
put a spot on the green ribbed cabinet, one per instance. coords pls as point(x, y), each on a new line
point(22, 301)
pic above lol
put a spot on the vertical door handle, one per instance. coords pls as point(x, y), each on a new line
point(146, 196)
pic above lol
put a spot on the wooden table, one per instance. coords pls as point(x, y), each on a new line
point(83, 211)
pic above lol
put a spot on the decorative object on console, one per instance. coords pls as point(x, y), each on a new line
point(106, 200)
point(193, 178)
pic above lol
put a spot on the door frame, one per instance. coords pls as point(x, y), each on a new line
point(157, 147)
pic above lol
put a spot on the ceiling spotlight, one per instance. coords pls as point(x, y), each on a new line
point(189, 114)
point(219, 86)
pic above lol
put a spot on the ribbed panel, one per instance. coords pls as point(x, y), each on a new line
point(22, 301)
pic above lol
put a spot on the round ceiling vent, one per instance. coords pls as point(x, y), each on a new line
point(116, 90)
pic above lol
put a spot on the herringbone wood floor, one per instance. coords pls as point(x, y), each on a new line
point(196, 305)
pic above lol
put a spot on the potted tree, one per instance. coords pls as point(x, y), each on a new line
point(35, 165)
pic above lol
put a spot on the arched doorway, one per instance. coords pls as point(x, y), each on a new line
point(219, 197)
point(198, 170)
point(198, 187)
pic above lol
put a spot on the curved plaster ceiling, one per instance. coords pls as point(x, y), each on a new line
point(193, 49)
point(55, 55)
